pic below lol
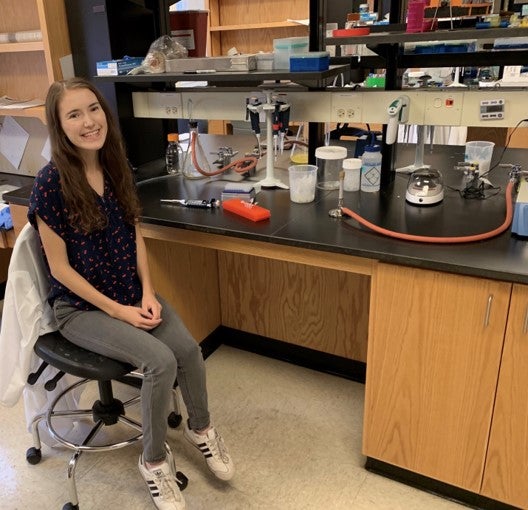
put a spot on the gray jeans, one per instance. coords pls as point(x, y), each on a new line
point(162, 354)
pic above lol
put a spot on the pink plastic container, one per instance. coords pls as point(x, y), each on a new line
point(415, 16)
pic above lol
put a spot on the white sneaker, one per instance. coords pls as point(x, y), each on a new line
point(213, 449)
point(162, 485)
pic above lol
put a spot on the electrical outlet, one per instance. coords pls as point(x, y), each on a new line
point(160, 105)
point(346, 107)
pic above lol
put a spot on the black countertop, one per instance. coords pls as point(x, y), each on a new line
point(504, 257)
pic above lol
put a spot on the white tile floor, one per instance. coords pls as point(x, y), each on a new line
point(295, 435)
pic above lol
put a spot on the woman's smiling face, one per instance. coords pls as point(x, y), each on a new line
point(83, 119)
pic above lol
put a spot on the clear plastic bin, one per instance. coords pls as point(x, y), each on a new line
point(284, 48)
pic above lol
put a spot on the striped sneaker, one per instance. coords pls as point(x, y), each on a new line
point(213, 449)
point(163, 486)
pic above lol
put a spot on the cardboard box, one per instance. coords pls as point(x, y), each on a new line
point(237, 63)
point(118, 67)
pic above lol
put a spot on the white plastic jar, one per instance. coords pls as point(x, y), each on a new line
point(352, 179)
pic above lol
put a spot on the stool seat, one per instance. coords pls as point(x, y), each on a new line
point(72, 359)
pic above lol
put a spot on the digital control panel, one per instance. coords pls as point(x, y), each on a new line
point(492, 109)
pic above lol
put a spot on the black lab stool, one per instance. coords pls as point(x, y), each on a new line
point(68, 358)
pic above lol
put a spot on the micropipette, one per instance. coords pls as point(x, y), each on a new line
point(199, 204)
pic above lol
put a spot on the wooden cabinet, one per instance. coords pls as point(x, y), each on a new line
point(435, 344)
point(27, 68)
point(321, 308)
point(506, 473)
point(251, 26)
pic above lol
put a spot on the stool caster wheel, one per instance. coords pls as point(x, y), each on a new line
point(181, 480)
point(33, 455)
point(174, 420)
point(70, 506)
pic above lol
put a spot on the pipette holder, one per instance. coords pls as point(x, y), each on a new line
point(270, 181)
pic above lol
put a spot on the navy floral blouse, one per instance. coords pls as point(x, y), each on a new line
point(106, 258)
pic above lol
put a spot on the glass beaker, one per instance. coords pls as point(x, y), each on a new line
point(299, 151)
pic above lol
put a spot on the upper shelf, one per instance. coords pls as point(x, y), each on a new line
point(388, 45)
point(253, 26)
point(36, 111)
point(21, 46)
point(438, 35)
point(308, 78)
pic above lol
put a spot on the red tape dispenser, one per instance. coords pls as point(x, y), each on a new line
point(248, 210)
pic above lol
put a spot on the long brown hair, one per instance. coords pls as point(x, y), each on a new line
point(79, 197)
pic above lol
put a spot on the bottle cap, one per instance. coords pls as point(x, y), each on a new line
point(372, 148)
point(173, 137)
point(351, 164)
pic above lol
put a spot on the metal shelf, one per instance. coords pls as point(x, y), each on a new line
point(387, 45)
point(310, 78)
point(439, 35)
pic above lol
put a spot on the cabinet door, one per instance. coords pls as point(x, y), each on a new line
point(435, 342)
point(506, 473)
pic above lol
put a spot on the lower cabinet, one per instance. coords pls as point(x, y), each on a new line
point(435, 345)
point(315, 307)
point(506, 473)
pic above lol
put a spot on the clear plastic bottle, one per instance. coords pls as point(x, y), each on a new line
point(174, 155)
point(371, 168)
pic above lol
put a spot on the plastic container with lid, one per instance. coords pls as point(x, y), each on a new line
point(352, 169)
point(284, 48)
point(310, 61)
point(371, 168)
point(329, 161)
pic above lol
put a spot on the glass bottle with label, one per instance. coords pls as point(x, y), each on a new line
point(174, 155)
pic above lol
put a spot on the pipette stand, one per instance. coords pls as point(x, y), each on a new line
point(270, 181)
point(418, 157)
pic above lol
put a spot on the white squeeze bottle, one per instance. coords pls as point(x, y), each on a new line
point(371, 168)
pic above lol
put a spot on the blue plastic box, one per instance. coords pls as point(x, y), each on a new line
point(310, 61)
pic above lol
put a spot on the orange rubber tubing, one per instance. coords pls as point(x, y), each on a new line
point(443, 240)
point(234, 164)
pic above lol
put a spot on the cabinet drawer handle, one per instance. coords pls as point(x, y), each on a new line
point(525, 325)
point(488, 311)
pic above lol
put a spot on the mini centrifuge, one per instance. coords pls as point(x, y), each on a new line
point(425, 187)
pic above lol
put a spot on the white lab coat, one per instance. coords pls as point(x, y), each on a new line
point(26, 315)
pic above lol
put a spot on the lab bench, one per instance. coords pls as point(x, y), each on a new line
point(440, 328)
